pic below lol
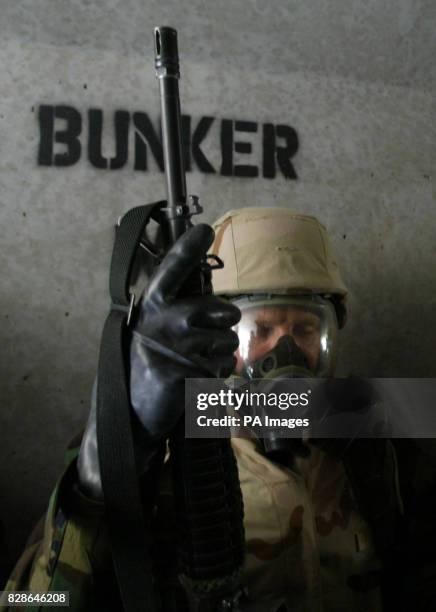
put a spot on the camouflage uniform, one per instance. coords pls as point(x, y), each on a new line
point(304, 539)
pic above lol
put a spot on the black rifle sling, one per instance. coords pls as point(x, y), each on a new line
point(124, 513)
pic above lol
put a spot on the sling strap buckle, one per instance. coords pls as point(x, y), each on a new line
point(128, 310)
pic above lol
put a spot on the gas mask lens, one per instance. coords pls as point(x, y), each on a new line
point(286, 337)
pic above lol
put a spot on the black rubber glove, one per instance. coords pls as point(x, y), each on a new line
point(173, 338)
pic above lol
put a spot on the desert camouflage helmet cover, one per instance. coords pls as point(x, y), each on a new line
point(273, 250)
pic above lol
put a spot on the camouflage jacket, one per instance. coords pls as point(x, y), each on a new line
point(307, 545)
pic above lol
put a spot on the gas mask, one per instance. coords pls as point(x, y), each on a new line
point(285, 337)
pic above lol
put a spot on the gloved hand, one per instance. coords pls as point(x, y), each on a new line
point(173, 338)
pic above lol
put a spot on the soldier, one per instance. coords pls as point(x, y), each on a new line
point(321, 521)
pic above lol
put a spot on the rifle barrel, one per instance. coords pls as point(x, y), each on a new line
point(168, 74)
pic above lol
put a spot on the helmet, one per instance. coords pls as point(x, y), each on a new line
point(280, 271)
point(271, 250)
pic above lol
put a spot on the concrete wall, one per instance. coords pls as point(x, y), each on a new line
point(355, 80)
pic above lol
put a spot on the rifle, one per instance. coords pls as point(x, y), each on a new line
point(206, 485)
point(208, 498)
